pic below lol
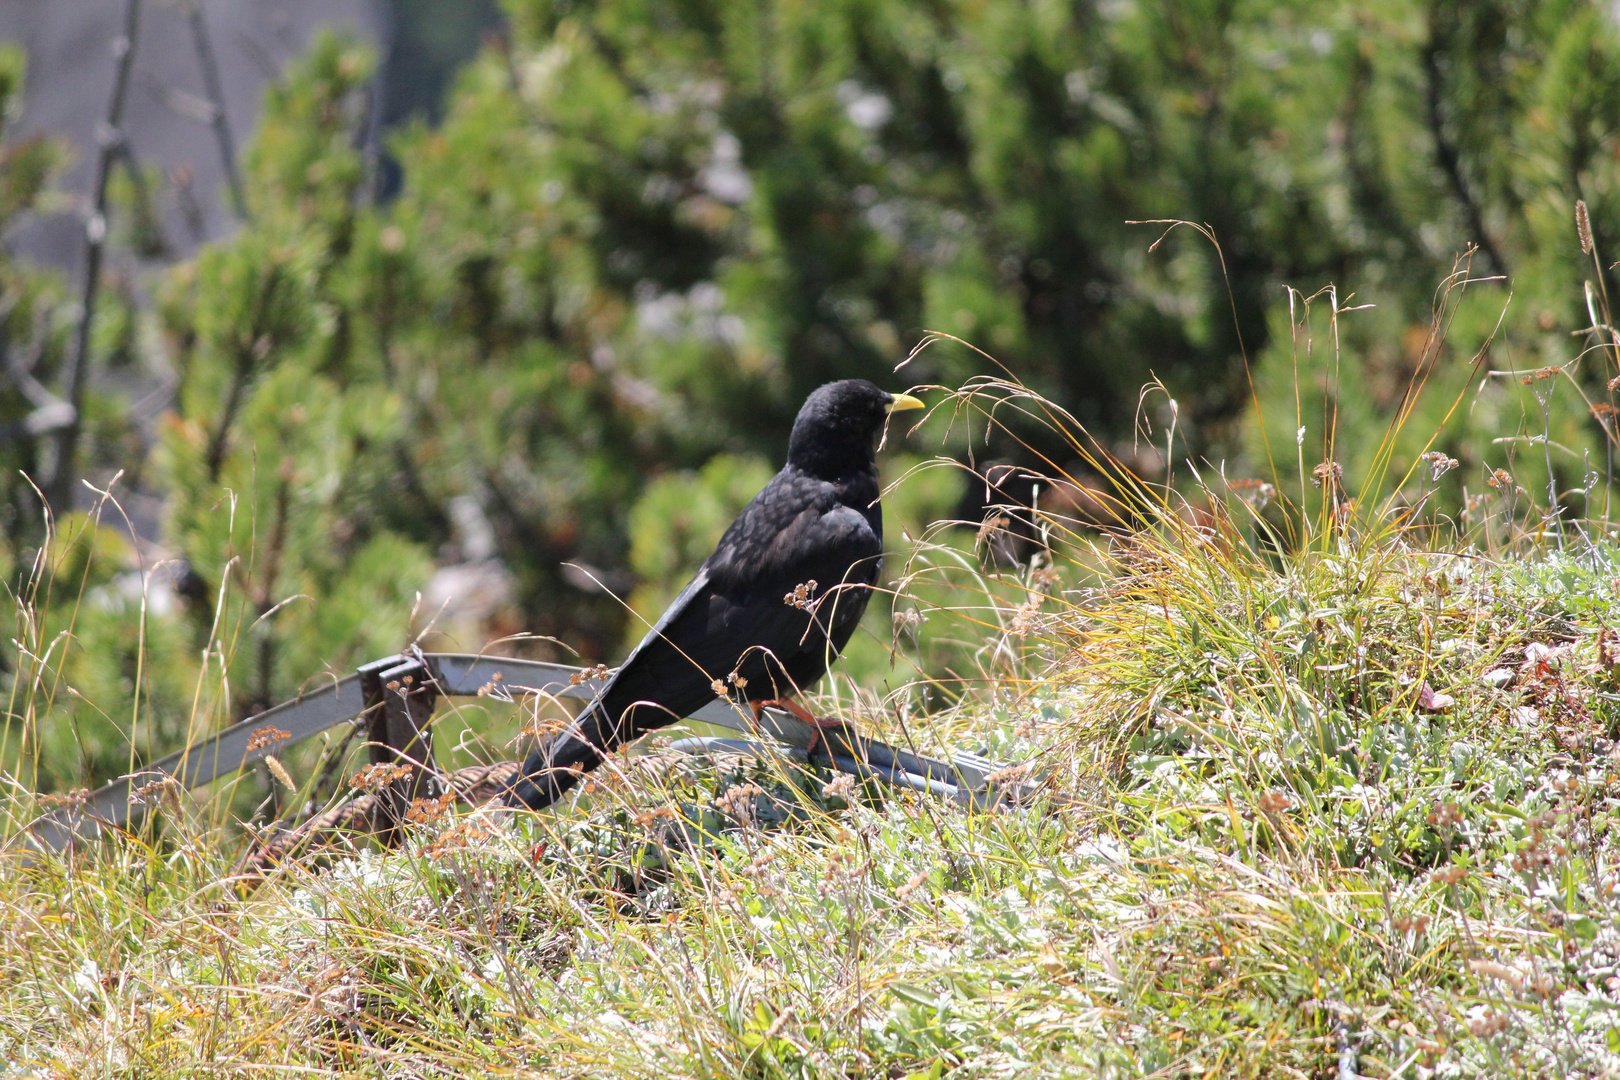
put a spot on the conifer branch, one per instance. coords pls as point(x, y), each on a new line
point(1450, 158)
point(110, 137)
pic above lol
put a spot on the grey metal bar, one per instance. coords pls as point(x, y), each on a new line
point(303, 717)
point(890, 774)
point(464, 675)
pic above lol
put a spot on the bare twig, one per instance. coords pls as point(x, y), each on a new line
point(111, 140)
point(218, 119)
point(49, 412)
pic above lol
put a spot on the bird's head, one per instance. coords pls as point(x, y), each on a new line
point(836, 431)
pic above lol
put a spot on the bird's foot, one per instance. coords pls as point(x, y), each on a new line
point(817, 724)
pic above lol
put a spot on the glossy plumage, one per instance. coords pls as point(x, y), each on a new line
point(817, 521)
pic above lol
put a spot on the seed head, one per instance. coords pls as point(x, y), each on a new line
point(1257, 493)
point(1444, 816)
point(1449, 875)
point(1328, 472)
point(739, 801)
point(649, 818)
point(279, 771)
point(164, 787)
point(79, 796)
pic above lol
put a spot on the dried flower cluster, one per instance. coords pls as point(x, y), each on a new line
point(720, 686)
point(428, 809)
point(758, 871)
point(1009, 774)
point(648, 818)
point(1444, 816)
point(738, 802)
point(163, 788)
point(1488, 1023)
point(1274, 803)
point(265, 737)
point(468, 834)
point(1439, 464)
point(1449, 875)
point(1539, 851)
point(1024, 618)
point(912, 884)
point(542, 726)
point(585, 675)
point(802, 596)
point(841, 786)
point(1257, 493)
point(377, 777)
point(1413, 924)
point(842, 867)
point(990, 526)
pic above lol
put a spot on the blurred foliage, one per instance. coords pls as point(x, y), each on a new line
point(33, 333)
point(676, 523)
point(1432, 129)
point(644, 230)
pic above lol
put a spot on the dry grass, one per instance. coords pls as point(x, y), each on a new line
point(1330, 807)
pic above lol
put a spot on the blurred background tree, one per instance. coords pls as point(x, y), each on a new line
point(33, 323)
point(643, 230)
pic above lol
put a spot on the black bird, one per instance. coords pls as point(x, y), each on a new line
point(767, 612)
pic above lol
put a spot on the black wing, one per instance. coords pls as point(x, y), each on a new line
point(732, 617)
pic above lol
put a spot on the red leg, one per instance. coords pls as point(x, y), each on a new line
point(817, 724)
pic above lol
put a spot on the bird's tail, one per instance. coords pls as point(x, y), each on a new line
point(564, 758)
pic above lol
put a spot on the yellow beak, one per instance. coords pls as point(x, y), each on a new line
point(902, 402)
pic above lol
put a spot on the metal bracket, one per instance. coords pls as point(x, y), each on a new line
point(400, 693)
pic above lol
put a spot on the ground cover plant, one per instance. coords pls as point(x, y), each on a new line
point(1295, 785)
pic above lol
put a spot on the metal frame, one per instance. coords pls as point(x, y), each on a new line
point(395, 697)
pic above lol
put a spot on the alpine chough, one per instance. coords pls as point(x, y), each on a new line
point(767, 612)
